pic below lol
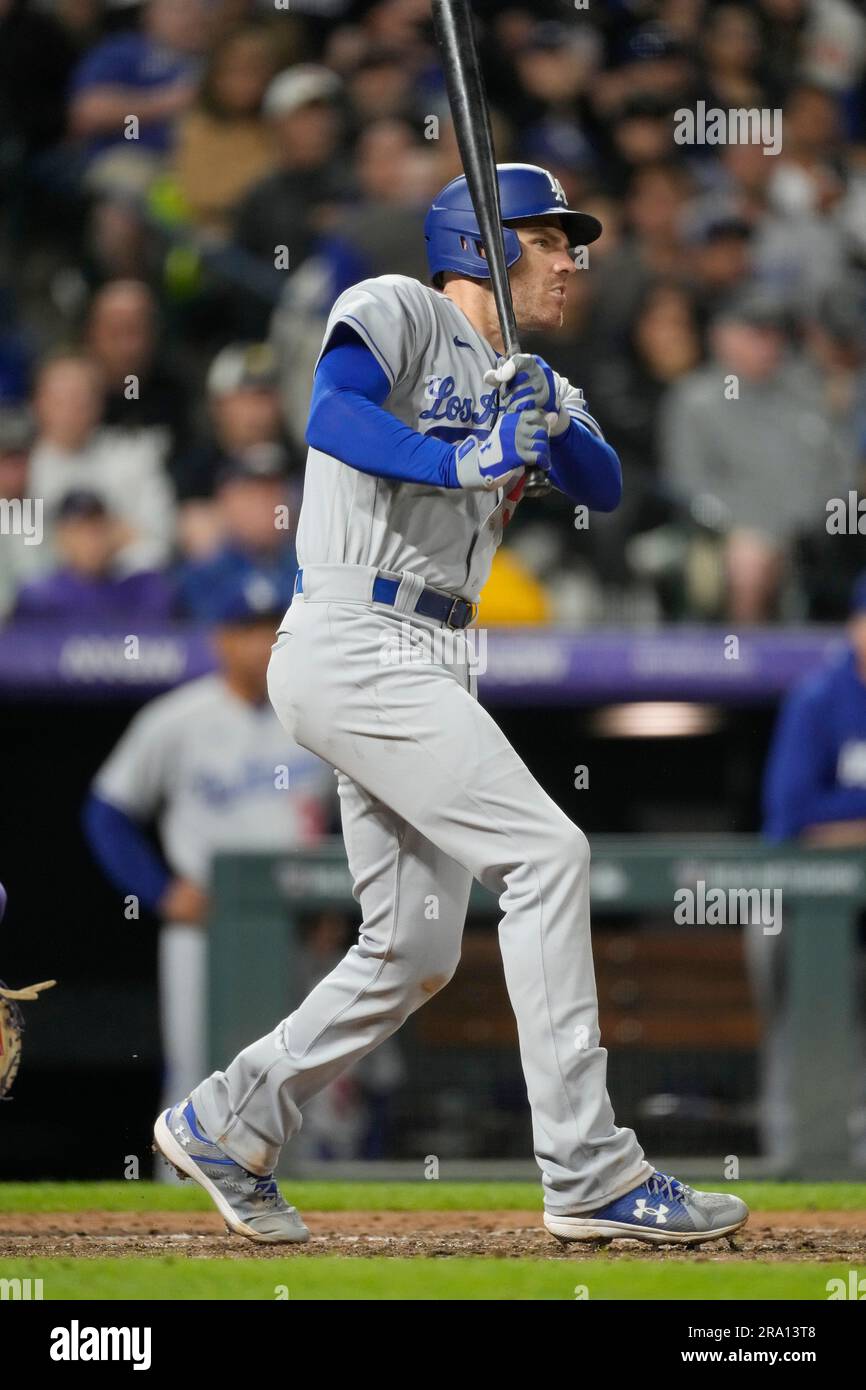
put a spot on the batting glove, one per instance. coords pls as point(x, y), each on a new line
point(518, 439)
point(572, 408)
point(528, 380)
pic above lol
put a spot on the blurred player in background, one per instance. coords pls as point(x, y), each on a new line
point(211, 764)
point(815, 793)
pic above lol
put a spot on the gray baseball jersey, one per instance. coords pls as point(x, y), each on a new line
point(435, 361)
point(218, 773)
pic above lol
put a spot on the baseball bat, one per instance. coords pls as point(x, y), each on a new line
point(455, 34)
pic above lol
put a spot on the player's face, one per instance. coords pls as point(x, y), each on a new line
point(540, 277)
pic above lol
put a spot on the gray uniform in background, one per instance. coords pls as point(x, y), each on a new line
point(432, 793)
point(203, 763)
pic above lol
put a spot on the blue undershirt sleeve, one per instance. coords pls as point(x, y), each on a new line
point(348, 422)
point(586, 468)
point(124, 852)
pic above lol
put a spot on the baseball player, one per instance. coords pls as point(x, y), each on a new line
point(419, 434)
point(212, 765)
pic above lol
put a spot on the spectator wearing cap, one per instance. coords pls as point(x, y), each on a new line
point(210, 766)
point(224, 146)
point(73, 450)
point(289, 207)
point(244, 411)
point(814, 794)
point(749, 436)
point(144, 388)
point(87, 587)
point(256, 514)
point(24, 551)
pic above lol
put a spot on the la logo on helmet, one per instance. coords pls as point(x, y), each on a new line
point(558, 190)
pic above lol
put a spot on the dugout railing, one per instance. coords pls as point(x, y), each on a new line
point(256, 970)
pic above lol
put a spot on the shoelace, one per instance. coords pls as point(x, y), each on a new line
point(672, 1188)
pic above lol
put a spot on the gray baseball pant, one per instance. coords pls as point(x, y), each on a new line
point(432, 794)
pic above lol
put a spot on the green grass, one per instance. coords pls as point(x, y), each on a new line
point(397, 1196)
point(399, 1279)
point(438, 1279)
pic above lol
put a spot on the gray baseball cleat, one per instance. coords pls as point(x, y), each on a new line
point(250, 1205)
point(661, 1211)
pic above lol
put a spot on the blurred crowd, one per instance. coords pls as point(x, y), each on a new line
point(186, 185)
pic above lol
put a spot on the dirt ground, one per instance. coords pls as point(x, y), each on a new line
point(807, 1236)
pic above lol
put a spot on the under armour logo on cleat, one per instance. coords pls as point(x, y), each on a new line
point(642, 1209)
point(184, 1138)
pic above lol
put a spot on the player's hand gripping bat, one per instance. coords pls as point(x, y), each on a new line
point(455, 35)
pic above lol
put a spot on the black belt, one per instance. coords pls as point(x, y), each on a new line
point(431, 603)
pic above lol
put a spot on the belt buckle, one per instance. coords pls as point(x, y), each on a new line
point(470, 606)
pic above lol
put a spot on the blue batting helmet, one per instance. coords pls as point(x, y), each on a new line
point(451, 228)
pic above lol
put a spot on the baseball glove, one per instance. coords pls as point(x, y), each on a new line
point(11, 1028)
